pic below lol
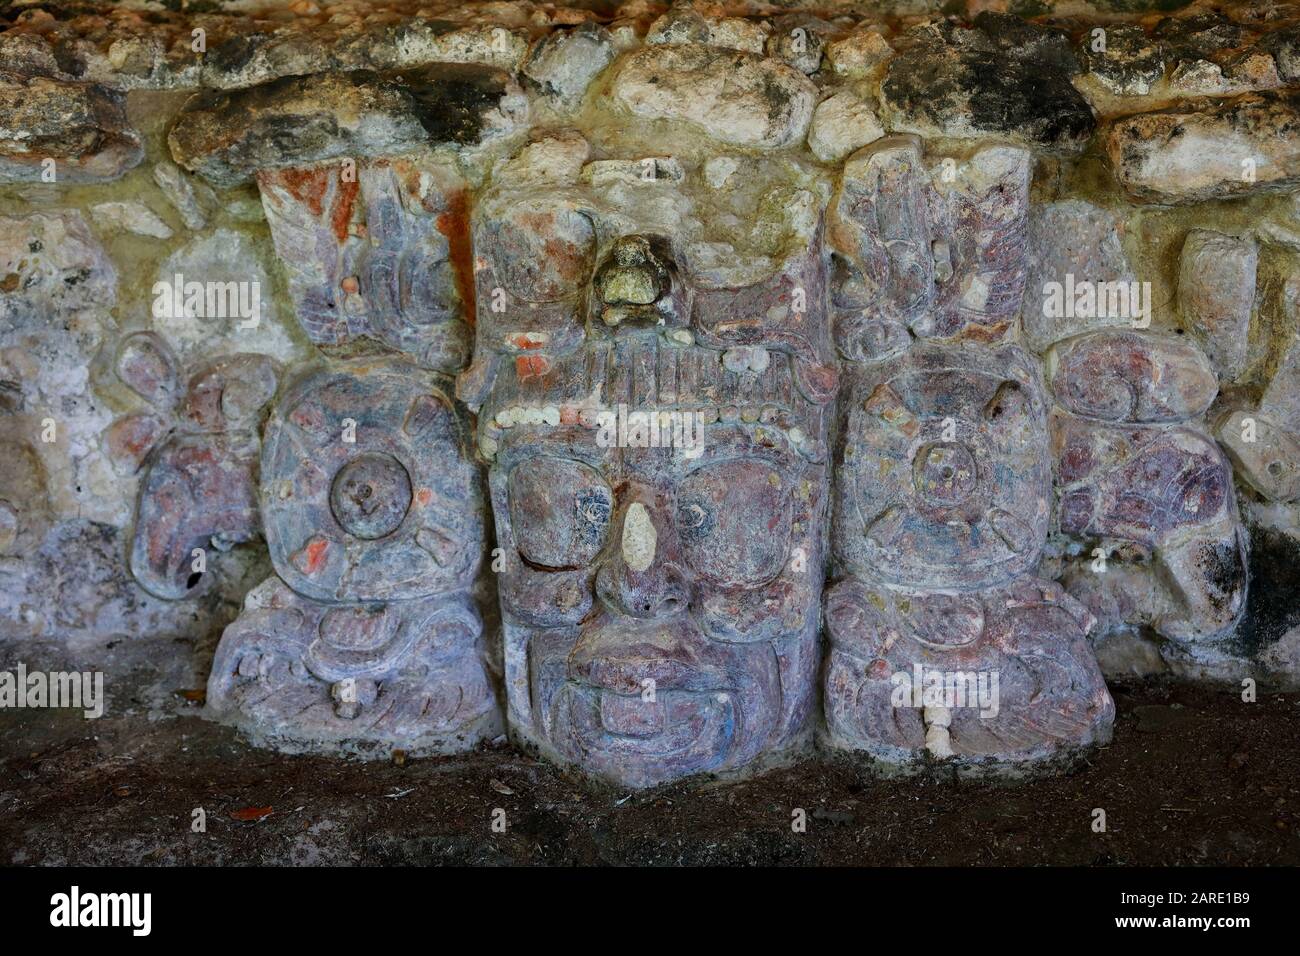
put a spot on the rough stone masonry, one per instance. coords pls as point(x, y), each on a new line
point(677, 389)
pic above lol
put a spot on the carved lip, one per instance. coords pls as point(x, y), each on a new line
point(644, 702)
point(643, 742)
point(619, 654)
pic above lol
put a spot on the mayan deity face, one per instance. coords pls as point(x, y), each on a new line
point(661, 609)
point(942, 506)
point(943, 642)
point(658, 485)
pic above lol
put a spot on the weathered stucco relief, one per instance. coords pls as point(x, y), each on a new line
point(676, 389)
point(367, 635)
point(943, 486)
point(654, 415)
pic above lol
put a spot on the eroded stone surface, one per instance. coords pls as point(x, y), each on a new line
point(1071, 243)
point(214, 295)
point(1127, 61)
point(939, 252)
point(1216, 293)
point(193, 199)
point(882, 272)
point(226, 137)
point(942, 482)
point(738, 97)
point(131, 217)
point(980, 210)
point(858, 55)
point(53, 264)
point(1266, 453)
point(1132, 376)
point(841, 124)
point(378, 250)
point(682, 24)
point(56, 131)
point(366, 495)
point(198, 489)
point(24, 501)
point(1170, 491)
point(564, 63)
point(57, 286)
point(1001, 78)
point(198, 494)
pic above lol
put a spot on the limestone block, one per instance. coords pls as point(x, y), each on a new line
point(1223, 149)
point(1001, 78)
point(1073, 247)
point(1216, 293)
point(227, 137)
point(738, 98)
point(55, 131)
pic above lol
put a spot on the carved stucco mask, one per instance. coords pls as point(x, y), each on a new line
point(659, 603)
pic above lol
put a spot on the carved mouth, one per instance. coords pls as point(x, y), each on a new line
point(641, 703)
point(641, 742)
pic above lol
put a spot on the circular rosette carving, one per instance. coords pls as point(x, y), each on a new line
point(944, 478)
point(367, 490)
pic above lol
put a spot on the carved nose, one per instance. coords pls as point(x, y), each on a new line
point(629, 285)
point(645, 580)
point(632, 275)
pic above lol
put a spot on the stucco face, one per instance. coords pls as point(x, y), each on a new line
point(658, 482)
point(661, 611)
point(943, 642)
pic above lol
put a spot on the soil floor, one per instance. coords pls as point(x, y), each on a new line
point(1194, 776)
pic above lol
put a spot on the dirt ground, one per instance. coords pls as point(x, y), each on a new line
point(1194, 776)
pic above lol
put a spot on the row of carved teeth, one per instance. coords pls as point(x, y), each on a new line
point(590, 417)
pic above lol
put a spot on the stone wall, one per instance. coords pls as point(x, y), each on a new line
point(320, 326)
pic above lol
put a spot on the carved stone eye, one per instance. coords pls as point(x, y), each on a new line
point(694, 519)
point(371, 495)
point(733, 519)
point(560, 511)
